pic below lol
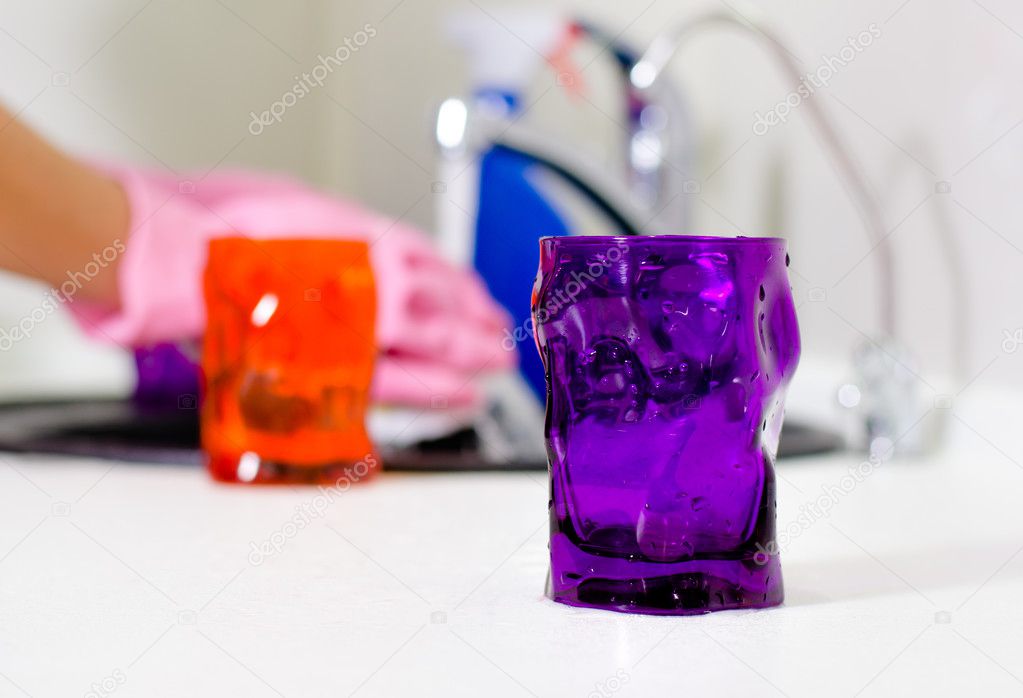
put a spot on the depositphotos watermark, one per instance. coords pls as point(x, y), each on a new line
point(820, 508)
point(1012, 340)
point(611, 685)
point(55, 297)
point(811, 82)
point(564, 296)
point(309, 511)
point(308, 81)
point(107, 685)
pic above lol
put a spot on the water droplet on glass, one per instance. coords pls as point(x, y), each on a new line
point(654, 261)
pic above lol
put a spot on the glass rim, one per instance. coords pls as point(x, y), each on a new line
point(741, 240)
point(236, 239)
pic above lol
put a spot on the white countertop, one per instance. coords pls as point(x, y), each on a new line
point(138, 580)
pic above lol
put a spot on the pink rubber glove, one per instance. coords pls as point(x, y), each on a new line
point(437, 327)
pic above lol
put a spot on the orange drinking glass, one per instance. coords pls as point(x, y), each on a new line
point(287, 360)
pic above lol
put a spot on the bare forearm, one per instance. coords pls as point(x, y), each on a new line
point(57, 215)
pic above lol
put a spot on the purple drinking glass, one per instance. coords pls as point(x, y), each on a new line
point(667, 359)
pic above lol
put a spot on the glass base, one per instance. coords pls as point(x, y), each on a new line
point(688, 587)
point(248, 468)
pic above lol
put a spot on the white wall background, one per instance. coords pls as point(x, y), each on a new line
point(935, 99)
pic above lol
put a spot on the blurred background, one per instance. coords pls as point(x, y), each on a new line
point(930, 110)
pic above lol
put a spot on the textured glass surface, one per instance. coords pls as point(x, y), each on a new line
point(287, 359)
point(667, 359)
